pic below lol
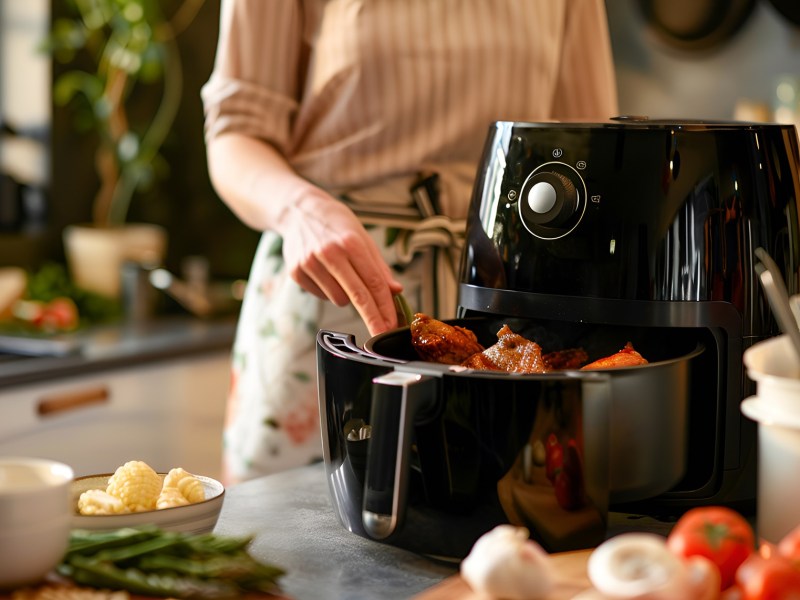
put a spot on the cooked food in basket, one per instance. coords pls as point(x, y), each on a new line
point(437, 341)
point(627, 357)
point(512, 353)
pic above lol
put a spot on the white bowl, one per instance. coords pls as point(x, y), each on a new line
point(35, 518)
point(778, 465)
point(200, 517)
point(775, 367)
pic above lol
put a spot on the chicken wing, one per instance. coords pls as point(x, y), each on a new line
point(436, 341)
point(571, 358)
point(512, 353)
point(627, 357)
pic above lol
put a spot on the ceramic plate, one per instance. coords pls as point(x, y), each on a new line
point(199, 517)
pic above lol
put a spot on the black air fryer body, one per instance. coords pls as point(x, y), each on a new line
point(648, 226)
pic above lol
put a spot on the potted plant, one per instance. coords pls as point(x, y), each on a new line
point(123, 84)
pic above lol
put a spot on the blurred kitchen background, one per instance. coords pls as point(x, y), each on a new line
point(676, 59)
point(717, 60)
point(47, 169)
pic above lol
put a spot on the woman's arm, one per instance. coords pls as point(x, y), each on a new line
point(250, 103)
point(327, 250)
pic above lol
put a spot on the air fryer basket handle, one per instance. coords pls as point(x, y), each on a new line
point(397, 398)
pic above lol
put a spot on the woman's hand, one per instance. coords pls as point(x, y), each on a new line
point(326, 248)
point(330, 254)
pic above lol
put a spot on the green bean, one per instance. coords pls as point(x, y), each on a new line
point(403, 310)
point(107, 575)
point(159, 563)
point(208, 542)
point(233, 566)
point(155, 544)
point(83, 541)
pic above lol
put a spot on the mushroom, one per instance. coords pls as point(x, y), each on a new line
point(505, 563)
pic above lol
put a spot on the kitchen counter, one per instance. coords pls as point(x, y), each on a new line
point(110, 346)
point(295, 527)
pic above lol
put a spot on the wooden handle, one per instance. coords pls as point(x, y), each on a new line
point(63, 402)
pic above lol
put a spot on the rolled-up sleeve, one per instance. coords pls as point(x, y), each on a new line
point(255, 84)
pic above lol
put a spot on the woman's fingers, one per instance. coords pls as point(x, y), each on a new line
point(374, 295)
point(343, 279)
point(335, 258)
point(308, 284)
point(363, 279)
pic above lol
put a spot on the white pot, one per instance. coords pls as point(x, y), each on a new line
point(95, 255)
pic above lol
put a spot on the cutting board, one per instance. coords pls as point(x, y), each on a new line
point(569, 570)
point(55, 587)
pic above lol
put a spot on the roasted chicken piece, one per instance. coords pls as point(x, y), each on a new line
point(571, 358)
point(440, 342)
point(627, 357)
point(512, 353)
point(436, 341)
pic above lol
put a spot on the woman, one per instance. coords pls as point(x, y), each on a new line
point(349, 131)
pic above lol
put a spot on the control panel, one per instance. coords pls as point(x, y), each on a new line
point(552, 200)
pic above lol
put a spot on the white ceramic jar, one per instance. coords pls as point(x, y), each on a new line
point(35, 517)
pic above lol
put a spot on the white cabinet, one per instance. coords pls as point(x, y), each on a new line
point(167, 413)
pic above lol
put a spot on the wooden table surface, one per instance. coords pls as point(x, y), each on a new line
point(570, 574)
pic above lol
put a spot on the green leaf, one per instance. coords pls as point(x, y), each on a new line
point(77, 82)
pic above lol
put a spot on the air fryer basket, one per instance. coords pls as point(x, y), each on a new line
point(470, 457)
point(649, 426)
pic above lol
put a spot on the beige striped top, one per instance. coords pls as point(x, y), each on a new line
point(360, 92)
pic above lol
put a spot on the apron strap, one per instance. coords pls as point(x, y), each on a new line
point(423, 233)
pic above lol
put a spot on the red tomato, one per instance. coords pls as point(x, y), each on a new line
point(60, 313)
point(569, 479)
point(768, 575)
point(720, 534)
point(789, 546)
point(734, 592)
point(554, 457)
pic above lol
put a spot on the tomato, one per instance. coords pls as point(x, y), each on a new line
point(569, 479)
point(768, 575)
point(554, 457)
point(60, 314)
point(720, 534)
point(703, 579)
point(789, 546)
point(733, 592)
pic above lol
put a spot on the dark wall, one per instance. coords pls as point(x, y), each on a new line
point(184, 202)
point(197, 220)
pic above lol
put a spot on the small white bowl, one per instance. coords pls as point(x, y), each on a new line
point(200, 517)
point(35, 518)
point(778, 465)
point(775, 367)
point(774, 357)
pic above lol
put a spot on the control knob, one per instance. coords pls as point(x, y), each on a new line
point(549, 199)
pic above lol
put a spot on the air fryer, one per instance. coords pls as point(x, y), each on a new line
point(650, 226)
point(578, 235)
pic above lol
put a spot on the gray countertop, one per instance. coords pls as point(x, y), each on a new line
point(28, 359)
point(295, 527)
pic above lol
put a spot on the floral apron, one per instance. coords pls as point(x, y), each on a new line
point(272, 421)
